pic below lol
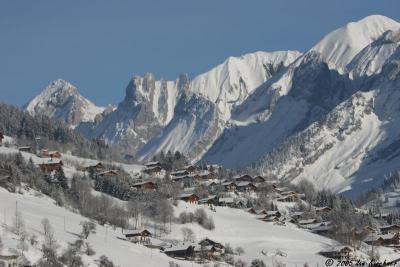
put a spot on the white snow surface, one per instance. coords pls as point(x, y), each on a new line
point(340, 46)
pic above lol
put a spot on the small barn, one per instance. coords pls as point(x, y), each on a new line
point(338, 252)
point(138, 236)
point(25, 149)
point(390, 229)
point(147, 186)
point(94, 168)
point(110, 173)
point(189, 198)
point(259, 179)
point(51, 166)
point(183, 251)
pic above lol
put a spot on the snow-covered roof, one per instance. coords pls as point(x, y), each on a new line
point(226, 200)
point(135, 232)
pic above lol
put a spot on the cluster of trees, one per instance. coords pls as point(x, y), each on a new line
point(199, 216)
point(53, 134)
point(171, 161)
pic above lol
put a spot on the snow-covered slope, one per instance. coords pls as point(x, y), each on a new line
point(61, 100)
point(340, 46)
point(106, 241)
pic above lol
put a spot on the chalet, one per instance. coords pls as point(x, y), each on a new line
point(362, 233)
point(203, 175)
point(213, 248)
point(183, 251)
point(338, 252)
point(321, 229)
point(152, 164)
point(382, 240)
point(1, 137)
point(51, 166)
point(259, 179)
point(306, 222)
point(7, 183)
point(110, 173)
point(273, 219)
point(95, 168)
point(245, 187)
point(256, 212)
point(279, 189)
point(320, 210)
point(138, 236)
point(179, 173)
point(226, 202)
point(9, 260)
point(288, 196)
point(390, 229)
point(147, 186)
point(154, 170)
point(189, 198)
point(25, 149)
point(243, 178)
point(229, 186)
point(44, 153)
point(190, 168)
point(211, 200)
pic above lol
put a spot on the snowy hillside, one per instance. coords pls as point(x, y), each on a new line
point(61, 100)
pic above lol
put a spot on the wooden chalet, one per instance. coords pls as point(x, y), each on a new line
point(184, 251)
point(190, 169)
point(245, 187)
point(338, 252)
point(226, 202)
point(383, 240)
point(147, 186)
point(109, 173)
point(25, 149)
point(210, 201)
point(179, 173)
point(243, 178)
point(390, 229)
point(51, 166)
point(288, 196)
point(255, 211)
point(152, 164)
point(229, 186)
point(203, 176)
point(154, 170)
point(138, 236)
point(45, 153)
point(99, 167)
point(258, 179)
point(189, 198)
point(321, 229)
point(212, 248)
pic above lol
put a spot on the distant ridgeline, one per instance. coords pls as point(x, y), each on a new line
point(46, 132)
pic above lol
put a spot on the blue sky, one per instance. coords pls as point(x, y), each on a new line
point(99, 45)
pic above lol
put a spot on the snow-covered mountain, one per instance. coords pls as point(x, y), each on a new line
point(333, 123)
point(328, 115)
point(185, 115)
point(340, 46)
point(61, 100)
